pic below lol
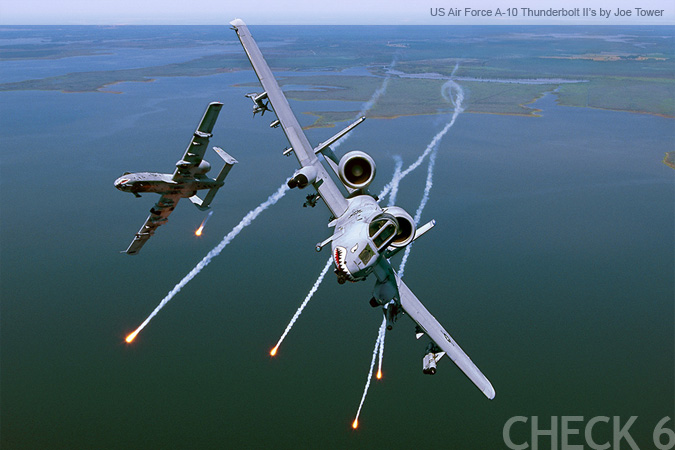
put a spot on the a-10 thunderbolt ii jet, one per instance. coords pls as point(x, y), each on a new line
point(189, 177)
point(365, 235)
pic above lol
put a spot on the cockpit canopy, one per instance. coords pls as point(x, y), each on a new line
point(382, 230)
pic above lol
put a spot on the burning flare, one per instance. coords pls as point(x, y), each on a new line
point(132, 336)
point(380, 336)
point(198, 231)
point(246, 221)
point(392, 187)
point(309, 296)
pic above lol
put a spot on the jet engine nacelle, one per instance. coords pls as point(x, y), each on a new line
point(356, 170)
point(406, 226)
point(303, 177)
point(202, 168)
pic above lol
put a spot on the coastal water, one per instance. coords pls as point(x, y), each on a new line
point(551, 264)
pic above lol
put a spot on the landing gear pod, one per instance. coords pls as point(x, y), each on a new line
point(356, 170)
point(406, 227)
point(303, 177)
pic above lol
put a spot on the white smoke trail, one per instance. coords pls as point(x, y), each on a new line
point(302, 306)
point(452, 75)
point(423, 203)
point(446, 91)
point(367, 106)
point(429, 184)
point(392, 187)
point(379, 362)
point(319, 280)
point(199, 230)
point(457, 101)
point(380, 336)
point(248, 218)
point(396, 179)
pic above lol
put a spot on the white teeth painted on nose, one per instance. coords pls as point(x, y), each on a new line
point(340, 257)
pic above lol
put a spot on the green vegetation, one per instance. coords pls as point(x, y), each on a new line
point(413, 96)
point(669, 159)
point(586, 67)
point(94, 81)
point(641, 95)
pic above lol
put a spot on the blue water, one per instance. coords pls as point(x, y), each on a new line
point(551, 264)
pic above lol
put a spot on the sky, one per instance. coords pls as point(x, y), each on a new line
point(312, 12)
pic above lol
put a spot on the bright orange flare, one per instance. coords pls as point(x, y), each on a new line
point(273, 351)
point(379, 374)
point(355, 424)
point(131, 337)
point(198, 231)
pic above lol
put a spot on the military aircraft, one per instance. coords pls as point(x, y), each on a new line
point(187, 179)
point(365, 235)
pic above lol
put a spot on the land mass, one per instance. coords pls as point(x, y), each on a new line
point(496, 68)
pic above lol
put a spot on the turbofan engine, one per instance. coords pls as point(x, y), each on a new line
point(356, 170)
point(406, 226)
point(202, 168)
point(186, 166)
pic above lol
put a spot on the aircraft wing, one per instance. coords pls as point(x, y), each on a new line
point(416, 310)
point(324, 184)
point(200, 141)
point(158, 216)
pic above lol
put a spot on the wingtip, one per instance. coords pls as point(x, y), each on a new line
point(237, 23)
point(489, 392)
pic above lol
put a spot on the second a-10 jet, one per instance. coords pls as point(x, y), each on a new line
point(365, 235)
point(188, 178)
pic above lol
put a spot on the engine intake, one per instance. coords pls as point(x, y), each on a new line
point(356, 170)
point(406, 226)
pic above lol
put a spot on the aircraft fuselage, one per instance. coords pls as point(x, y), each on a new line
point(163, 183)
point(360, 238)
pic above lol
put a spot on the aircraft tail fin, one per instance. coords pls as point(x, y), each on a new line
point(229, 162)
point(199, 203)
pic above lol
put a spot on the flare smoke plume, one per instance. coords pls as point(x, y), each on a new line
point(246, 221)
point(367, 106)
point(302, 306)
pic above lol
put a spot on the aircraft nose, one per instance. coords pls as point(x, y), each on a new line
point(120, 183)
